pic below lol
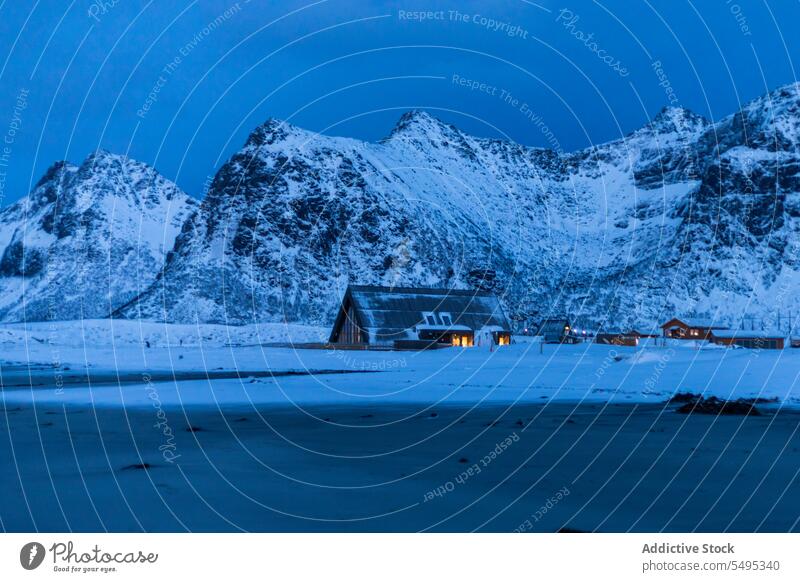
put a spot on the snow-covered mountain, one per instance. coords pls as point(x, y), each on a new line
point(681, 216)
point(87, 239)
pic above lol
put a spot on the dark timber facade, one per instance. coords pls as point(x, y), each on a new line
point(690, 329)
point(413, 318)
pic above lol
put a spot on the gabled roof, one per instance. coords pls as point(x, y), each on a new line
point(642, 330)
point(748, 334)
point(553, 324)
point(387, 312)
point(695, 322)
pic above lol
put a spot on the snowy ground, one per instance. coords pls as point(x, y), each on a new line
point(102, 333)
point(517, 373)
point(453, 439)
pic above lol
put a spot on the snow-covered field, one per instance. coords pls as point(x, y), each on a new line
point(447, 440)
point(101, 333)
point(517, 373)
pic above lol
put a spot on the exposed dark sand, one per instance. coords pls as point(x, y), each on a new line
point(625, 467)
point(23, 376)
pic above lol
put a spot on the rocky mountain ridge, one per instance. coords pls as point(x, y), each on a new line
point(87, 239)
point(681, 216)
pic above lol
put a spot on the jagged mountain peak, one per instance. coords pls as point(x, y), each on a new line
point(668, 124)
point(413, 116)
point(419, 123)
point(104, 174)
point(785, 96)
point(272, 131)
point(89, 237)
point(102, 153)
point(678, 120)
point(770, 122)
point(102, 159)
point(55, 171)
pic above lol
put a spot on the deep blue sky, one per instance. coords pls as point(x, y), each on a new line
point(351, 68)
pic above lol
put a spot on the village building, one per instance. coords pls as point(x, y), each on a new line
point(418, 318)
point(690, 329)
point(616, 338)
point(753, 339)
point(642, 332)
point(556, 330)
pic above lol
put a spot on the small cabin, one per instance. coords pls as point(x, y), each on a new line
point(753, 339)
point(418, 318)
point(556, 331)
point(642, 332)
point(616, 338)
point(690, 329)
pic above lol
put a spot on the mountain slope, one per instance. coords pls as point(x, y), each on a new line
point(86, 239)
point(681, 216)
point(730, 250)
point(294, 216)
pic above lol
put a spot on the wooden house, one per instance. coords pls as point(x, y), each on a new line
point(616, 338)
point(556, 330)
point(642, 332)
point(416, 318)
point(753, 339)
point(690, 329)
